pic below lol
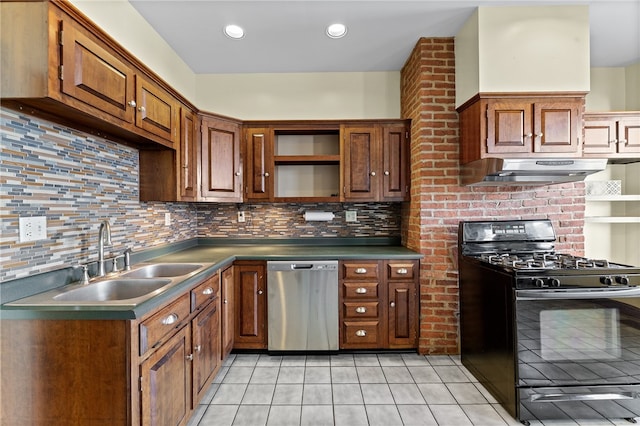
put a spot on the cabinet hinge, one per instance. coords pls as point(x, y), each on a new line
point(61, 72)
point(140, 383)
point(406, 135)
point(344, 190)
point(60, 38)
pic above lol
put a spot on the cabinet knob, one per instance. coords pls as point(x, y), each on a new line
point(361, 333)
point(373, 173)
point(198, 348)
point(392, 304)
point(266, 174)
point(237, 173)
point(402, 271)
point(361, 270)
point(207, 291)
point(170, 319)
point(132, 104)
point(539, 135)
point(361, 290)
point(225, 301)
point(189, 357)
point(622, 141)
point(361, 310)
point(386, 173)
point(259, 291)
point(142, 109)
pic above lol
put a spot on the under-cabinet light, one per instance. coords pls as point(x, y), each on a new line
point(336, 30)
point(234, 31)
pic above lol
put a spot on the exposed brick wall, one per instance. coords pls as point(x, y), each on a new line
point(438, 202)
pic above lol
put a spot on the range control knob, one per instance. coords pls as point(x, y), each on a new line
point(539, 282)
point(622, 280)
point(555, 282)
point(606, 280)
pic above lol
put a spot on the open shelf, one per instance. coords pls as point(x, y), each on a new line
point(306, 159)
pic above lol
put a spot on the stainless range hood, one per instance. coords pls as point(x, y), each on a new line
point(526, 171)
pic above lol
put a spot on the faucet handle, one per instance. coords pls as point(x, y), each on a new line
point(85, 274)
point(114, 269)
point(127, 259)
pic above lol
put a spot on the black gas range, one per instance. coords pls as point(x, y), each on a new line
point(550, 335)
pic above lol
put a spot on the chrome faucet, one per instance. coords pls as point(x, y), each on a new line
point(104, 237)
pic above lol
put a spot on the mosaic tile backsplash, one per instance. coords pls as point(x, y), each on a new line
point(76, 180)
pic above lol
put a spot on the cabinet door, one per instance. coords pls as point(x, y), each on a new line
point(228, 318)
point(206, 349)
point(93, 75)
point(259, 176)
point(361, 157)
point(402, 315)
point(395, 163)
point(166, 382)
point(599, 136)
point(220, 161)
point(629, 135)
point(250, 306)
point(556, 126)
point(509, 126)
point(157, 111)
point(188, 166)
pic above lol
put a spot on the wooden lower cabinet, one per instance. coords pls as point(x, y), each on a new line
point(148, 371)
point(379, 304)
point(166, 382)
point(250, 305)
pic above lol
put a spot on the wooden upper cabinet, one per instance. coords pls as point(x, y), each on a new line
point(187, 167)
point(259, 175)
point(156, 111)
point(375, 162)
point(57, 61)
point(361, 156)
point(221, 174)
point(612, 134)
point(519, 125)
point(93, 75)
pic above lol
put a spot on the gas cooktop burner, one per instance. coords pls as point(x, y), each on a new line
point(544, 261)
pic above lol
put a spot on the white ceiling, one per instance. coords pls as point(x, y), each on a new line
point(288, 35)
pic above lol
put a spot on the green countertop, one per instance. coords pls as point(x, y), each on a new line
point(220, 255)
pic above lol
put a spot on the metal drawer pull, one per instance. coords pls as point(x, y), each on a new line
point(361, 333)
point(207, 291)
point(361, 290)
point(361, 310)
point(361, 270)
point(403, 271)
point(171, 319)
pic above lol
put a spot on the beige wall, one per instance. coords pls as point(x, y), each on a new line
point(607, 90)
point(467, 60)
point(527, 49)
point(122, 22)
point(632, 81)
point(301, 95)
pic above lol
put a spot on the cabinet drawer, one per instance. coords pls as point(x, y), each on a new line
point(205, 292)
point(354, 310)
point(401, 270)
point(360, 290)
point(360, 332)
point(163, 322)
point(360, 270)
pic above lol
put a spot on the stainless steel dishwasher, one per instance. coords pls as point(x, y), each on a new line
point(302, 305)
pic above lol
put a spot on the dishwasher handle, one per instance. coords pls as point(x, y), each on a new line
point(303, 266)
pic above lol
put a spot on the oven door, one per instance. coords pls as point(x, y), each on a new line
point(578, 353)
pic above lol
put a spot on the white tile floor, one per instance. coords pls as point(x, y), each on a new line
point(352, 390)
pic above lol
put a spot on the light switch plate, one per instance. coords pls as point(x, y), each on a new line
point(351, 216)
point(167, 219)
point(33, 228)
point(241, 217)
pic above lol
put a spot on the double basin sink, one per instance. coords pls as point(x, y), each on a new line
point(123, 288)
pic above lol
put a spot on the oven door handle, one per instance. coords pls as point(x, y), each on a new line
point(563, 397)
point(577, 294)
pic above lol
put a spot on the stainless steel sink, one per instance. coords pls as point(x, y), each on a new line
point(111, 290)
point(163, 270)
point(127, 288)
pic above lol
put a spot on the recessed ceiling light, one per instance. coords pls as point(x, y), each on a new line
point(234, 31)
point(336, 30)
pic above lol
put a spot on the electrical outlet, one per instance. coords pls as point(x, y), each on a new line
point(33, 228)
point(167, 219)
point(351, 215)
point(241, 217)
